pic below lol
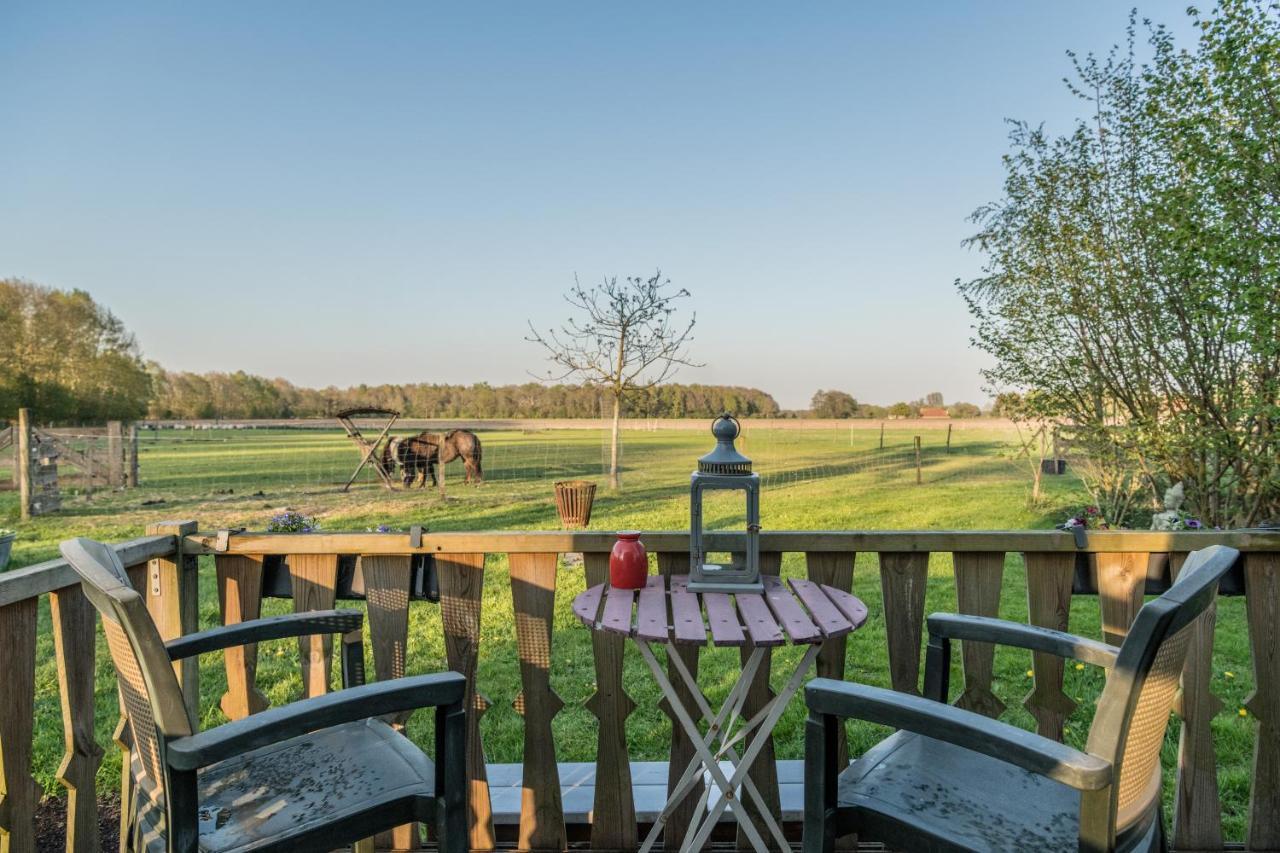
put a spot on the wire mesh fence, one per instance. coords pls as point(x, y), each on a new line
point(234, 460)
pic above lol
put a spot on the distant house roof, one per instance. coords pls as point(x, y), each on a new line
point(933, 412)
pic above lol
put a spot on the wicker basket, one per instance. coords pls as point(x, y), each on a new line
point(573, 502)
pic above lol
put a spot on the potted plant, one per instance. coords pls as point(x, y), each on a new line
point(276, 580)
point(1086, 573)
point(6, 545)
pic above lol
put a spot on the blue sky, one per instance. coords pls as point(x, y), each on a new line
point(388, 192)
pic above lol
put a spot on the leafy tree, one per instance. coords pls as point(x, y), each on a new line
point(1131, 268)
point(1006, 404)
point(902, 410)
point(933, 398)
point(833, 404)
point(964, 410)
point(622, 339)
point(67, 358)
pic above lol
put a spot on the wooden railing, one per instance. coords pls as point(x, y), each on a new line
point(165, 565)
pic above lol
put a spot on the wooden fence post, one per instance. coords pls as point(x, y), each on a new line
point(173, 598)
point(919, 476)
point(19, 791)
point(23, 461)
point(131, 457)
point(949, 425)
point(882, 435)
point(115, 455)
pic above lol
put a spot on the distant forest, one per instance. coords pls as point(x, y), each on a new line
point(242, 395)
point(71, 361)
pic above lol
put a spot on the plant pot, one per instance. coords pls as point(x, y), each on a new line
point(6, 546)
point(573, 502)
point(628, 562)
point(1085, 580)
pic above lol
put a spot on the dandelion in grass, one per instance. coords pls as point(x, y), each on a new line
point(1079, 667)
point(1244, 712)
point(1228, 674)
point(1031, 673)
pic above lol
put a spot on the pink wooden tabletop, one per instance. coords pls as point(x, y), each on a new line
point(796, 611)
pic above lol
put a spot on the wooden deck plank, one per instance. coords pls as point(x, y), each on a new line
point(587, 605)
point(726, 630)
point(830, 621)
point(648, 785)
point(849, 604)
point(616, 618)
point(761, 625)
point(651, 610)
point(789, 613)
point(686, 614)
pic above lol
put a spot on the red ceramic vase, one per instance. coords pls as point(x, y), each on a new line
point(628, 562)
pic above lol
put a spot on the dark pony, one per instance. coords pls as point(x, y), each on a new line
point(421, 453)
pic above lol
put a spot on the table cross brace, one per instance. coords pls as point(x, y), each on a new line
point(704, 760)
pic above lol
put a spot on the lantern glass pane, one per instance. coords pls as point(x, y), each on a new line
point(724, 510)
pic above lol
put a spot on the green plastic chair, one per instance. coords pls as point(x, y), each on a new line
point(309, 776)
point(953, 780)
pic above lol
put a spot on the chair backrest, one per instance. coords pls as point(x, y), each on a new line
point(148, 686)
point(1133, 711)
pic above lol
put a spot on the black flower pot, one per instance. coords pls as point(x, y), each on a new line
point(277, 582)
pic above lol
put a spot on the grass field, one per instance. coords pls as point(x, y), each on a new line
point(814, 479)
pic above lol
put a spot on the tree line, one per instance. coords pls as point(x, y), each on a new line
point(841, 404)
point(242, 395)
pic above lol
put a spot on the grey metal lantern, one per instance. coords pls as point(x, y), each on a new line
point(724, 469)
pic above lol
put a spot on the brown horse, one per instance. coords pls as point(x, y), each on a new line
point(420, 454)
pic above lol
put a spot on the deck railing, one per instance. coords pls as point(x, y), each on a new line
point(165, 564)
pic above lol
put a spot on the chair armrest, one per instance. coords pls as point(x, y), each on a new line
point(956, 626)
point(1027, 750)
point(319, 712)
point(270, 628)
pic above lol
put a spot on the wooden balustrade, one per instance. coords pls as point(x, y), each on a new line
point(164, 567)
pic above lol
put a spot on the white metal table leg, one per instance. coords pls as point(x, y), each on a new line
point(728, 712)
point(725, 747)
point(728, 798)
point(775, 709)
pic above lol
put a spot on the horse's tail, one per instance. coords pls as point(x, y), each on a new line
point(389, 454)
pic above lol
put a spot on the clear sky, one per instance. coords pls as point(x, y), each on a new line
point(345, 193)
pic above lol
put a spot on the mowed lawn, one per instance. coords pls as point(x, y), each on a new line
point(813, 479)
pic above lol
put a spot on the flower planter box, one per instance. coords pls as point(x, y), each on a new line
point(277, 582)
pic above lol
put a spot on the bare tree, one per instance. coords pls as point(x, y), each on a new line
point(623, 337)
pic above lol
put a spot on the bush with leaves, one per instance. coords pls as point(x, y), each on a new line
point(1132, 272)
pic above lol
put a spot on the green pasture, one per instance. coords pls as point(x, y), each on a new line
point(814, 479)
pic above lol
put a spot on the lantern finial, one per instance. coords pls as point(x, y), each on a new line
point(725, 458)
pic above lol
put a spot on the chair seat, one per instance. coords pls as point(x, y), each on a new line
point(287, 789)
point(272, 797)
point(962, 799)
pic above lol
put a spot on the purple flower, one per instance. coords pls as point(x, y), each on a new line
point(1193, 523)
point(383, 528)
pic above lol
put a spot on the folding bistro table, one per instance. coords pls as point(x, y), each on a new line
point(796, 611)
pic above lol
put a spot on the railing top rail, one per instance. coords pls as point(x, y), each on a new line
point(51, 575)
point(43, 578)
point(534, 542)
